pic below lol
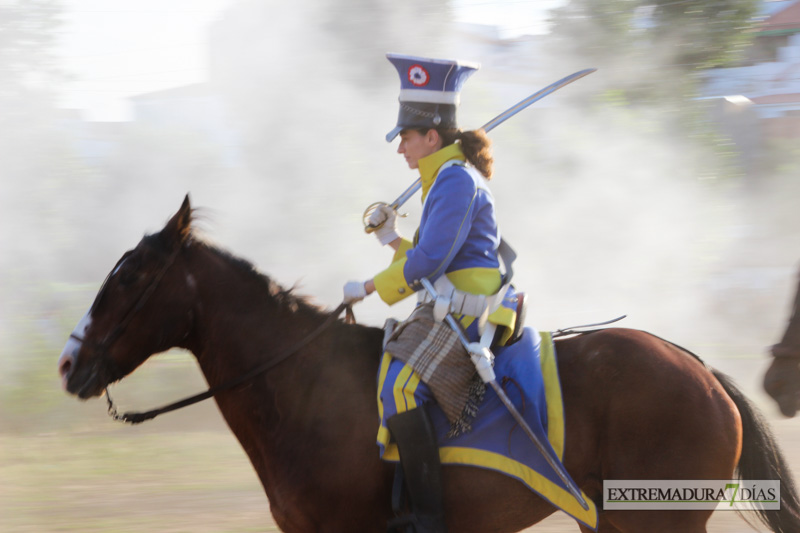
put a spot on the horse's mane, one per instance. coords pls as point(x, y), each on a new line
point(283, 297)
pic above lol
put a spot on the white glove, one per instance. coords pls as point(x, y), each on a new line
point(387, 216)
point(354, 291)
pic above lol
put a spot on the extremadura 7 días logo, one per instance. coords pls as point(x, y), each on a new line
point(719, 494)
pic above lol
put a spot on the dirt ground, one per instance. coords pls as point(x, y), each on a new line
point(185, 472)
point(174, 482)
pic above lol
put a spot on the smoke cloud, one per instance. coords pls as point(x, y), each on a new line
point(613, 209)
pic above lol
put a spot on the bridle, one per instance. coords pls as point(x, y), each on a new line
point(119, 329)
point(137, 418)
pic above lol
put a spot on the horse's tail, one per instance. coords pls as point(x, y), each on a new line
point(762, 459)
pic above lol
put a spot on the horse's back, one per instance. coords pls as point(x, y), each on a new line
point(633, 384)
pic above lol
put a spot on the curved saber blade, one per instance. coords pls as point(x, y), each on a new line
point(554, 462)
point(538, 95)
point(499, 119)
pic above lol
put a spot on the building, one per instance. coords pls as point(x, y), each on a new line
point(769, 81)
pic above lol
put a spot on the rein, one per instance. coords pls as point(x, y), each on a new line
point(138, 418)
point(579, 330)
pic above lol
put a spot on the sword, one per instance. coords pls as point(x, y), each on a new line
point(489, 126)
point(483, 364)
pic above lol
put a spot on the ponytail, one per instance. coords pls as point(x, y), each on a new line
point(475, 144)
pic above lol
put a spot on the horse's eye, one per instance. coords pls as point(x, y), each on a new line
point(129, 273)
point(128, 278)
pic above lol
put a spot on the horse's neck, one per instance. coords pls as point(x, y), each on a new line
point(237, 313)
point(279, 415)
point(239, 319)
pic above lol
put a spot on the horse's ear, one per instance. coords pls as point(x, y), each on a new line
point(179, 226)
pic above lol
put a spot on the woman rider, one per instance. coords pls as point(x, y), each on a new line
point(456, 248)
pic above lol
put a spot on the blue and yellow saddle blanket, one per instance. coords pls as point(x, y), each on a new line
point(528, 373)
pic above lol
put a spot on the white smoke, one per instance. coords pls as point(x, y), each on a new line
point(612, 208)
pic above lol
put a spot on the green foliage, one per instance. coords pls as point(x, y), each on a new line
point(595, 30)
point(652, 50)
point(650, 55)
point(704, 33)
point(684, 34)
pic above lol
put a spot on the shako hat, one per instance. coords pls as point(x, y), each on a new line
point(429, 91)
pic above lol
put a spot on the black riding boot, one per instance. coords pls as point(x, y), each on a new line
point(419, 456)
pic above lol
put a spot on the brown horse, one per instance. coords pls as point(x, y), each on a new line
point(636, 406)
point(782, 380)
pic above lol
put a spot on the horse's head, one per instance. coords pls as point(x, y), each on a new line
point(142, 308)
point(782, 382)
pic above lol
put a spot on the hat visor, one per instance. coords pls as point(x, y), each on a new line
point(394, 133)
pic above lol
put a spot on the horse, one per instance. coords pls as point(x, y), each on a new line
point(782, 383)
point(782, 379)
point(636, 406)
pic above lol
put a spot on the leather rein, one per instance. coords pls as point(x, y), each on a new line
point(137, 417)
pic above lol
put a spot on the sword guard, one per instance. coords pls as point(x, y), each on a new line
point(369, 228)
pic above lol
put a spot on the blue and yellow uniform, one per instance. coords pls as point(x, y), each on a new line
point(457, 234)
point(458, 248)
point(457, 237)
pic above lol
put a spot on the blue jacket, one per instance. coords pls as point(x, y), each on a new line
point(457, 235)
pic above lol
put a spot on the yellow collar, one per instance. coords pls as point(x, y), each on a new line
point(429, 165)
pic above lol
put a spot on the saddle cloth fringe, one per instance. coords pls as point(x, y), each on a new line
point(435, 353)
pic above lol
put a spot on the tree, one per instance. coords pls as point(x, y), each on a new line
point(652, 48)
point(705, 33)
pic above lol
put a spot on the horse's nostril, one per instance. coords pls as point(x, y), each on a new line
point(64, 369)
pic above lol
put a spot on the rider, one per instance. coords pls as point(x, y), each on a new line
point(456, 248)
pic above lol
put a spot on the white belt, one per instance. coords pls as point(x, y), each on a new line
point(463, 303)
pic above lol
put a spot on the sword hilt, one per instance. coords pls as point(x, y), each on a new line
point(370, 228)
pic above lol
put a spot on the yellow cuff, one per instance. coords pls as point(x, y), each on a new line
point(405, 245)
point(391, 283)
